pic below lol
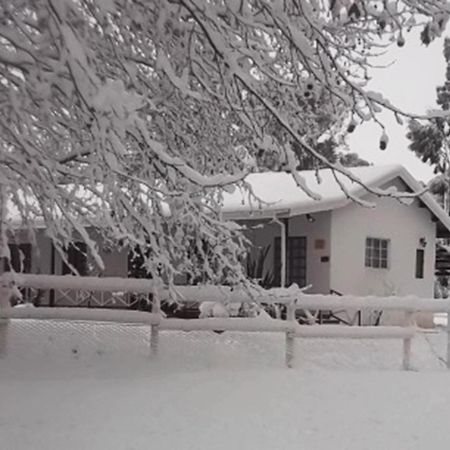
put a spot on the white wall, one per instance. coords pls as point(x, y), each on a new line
point(403, 226)
point(115, 261)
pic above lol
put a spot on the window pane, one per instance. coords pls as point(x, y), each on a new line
point(20, 258)
point(420, 260)
point(77, 258)
point(377, 253)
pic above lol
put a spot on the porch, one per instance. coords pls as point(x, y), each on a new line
point(289, 250)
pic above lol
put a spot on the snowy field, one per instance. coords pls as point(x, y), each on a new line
point(79, 386)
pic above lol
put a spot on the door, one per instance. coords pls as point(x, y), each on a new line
point(295, 258)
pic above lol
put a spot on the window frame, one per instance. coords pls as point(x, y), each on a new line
point(377, 253)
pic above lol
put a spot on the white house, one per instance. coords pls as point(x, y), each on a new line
point(336, 245)
point(332, 244)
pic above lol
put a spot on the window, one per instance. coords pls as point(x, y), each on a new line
point(377, 253)
point(420, 260)
point(20, 258)
point(77, 258)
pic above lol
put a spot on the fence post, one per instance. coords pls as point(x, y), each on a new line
point(5, 305)
point(407, 342)
point(290, 335)
point(448, 339)
point(156, 319)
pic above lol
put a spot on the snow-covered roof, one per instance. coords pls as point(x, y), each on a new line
point(283, 198)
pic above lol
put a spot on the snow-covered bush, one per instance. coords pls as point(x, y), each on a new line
point(218, 309)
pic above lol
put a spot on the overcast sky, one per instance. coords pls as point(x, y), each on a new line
point(410, 83)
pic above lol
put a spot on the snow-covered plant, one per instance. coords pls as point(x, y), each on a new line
point(127, 115)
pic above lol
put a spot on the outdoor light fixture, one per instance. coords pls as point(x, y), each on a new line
point(423, 242)
point(310, 218)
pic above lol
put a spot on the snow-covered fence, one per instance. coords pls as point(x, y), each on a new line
point(293, 298)
point(409, 305)
point(10, 281)
point(296, 300)
point(96, 292)
point(100, 284)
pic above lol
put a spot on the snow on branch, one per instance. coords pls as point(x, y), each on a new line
point(145, 105)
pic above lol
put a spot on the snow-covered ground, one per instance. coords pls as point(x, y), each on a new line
point(78, 386)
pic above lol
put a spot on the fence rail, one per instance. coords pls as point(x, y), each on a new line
point(294, 300)
point(62, 282)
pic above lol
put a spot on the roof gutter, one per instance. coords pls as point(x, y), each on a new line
point(258, 214)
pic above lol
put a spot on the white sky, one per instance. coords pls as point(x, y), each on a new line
point(410, 83)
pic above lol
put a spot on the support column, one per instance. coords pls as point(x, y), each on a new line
point(284, 235)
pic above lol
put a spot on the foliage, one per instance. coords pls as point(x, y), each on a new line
point(352, 160)
point(329, 149)
point(430, 140)
point(129, 115)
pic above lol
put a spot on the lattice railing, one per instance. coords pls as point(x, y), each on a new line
point(95, 299)
point(85, 298)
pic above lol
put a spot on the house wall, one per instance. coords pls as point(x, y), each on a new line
point(317, 271)
point(116, 265)
point(40, 254)
point(115, 261)
point(403, 226)
point(40, 251)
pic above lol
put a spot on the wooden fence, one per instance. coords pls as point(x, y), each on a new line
point(293, 299)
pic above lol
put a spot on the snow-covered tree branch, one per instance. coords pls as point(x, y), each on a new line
point(131, 114)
